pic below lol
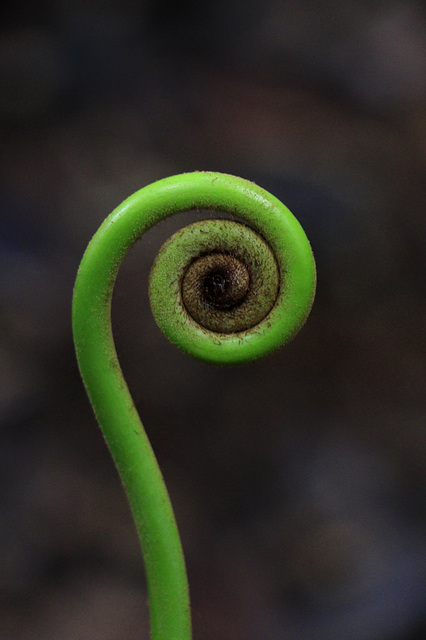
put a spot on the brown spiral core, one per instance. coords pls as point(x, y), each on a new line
point(217, 280)
point(221, 293)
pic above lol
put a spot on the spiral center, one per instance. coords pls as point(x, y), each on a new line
point(215, 286)
point(226, 285)
point(214, 283)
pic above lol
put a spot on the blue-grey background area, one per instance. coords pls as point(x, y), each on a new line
point(298, 481)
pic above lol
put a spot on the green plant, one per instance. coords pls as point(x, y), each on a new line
point(215, 296)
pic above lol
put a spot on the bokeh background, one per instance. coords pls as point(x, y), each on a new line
point(298, 481)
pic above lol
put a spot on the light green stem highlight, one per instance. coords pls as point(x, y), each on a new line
point(103, 378)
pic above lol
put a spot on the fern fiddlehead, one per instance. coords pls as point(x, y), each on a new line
point(224, 291)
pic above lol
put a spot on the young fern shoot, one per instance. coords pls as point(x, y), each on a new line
point(225, 292)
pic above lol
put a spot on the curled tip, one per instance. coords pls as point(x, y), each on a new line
point(228, 293)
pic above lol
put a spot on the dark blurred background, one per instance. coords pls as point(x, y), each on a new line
point(298, 481)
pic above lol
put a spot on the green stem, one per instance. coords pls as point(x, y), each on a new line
point(104, 381)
